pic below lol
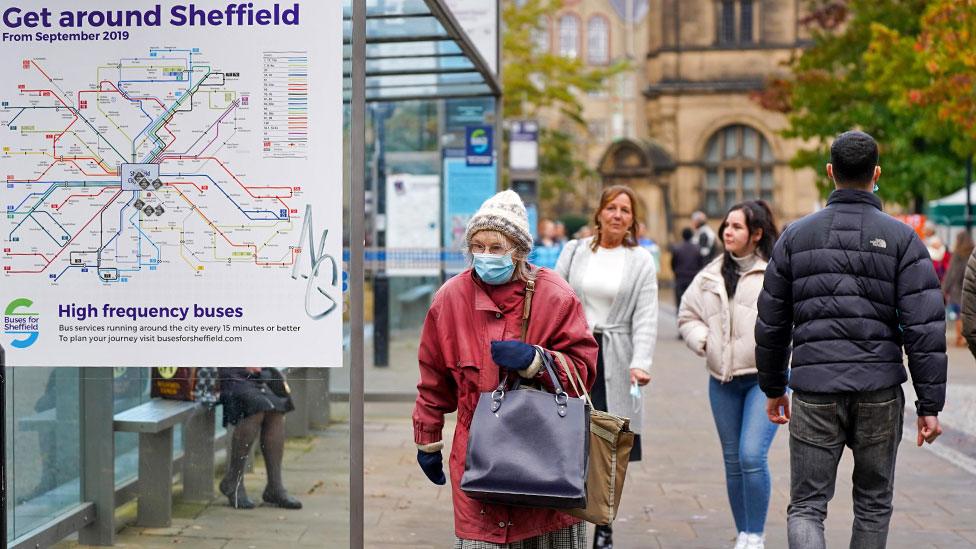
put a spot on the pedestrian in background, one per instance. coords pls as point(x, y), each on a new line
point(559, 233)
point(846, 287)
point(545, 250)
point(952, 283)
point(255, 402)
point(646, 242)
point(705, 237)
point(717, 320)
point(617, 283)
point(968, 303)
point(940, 255)
point(470, 339)
point(686, 261)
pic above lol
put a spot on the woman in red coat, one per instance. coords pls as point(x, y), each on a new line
point(470, 337)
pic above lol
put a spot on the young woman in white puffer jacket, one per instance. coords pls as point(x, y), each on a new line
point(717, 320)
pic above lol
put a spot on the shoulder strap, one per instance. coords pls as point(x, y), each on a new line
point(581, 389)
point(527, 304)
point(572, 256)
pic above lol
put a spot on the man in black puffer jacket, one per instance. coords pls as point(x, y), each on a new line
point(849, 286)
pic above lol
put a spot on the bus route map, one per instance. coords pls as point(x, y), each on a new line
point(140, 169)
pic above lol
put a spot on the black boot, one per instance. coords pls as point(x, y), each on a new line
point(236, 495)
point(273, 449)
point(603, 537)
point(232, 485)
point(280, 499)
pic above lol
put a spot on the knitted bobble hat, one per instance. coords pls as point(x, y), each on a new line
point(506, 214)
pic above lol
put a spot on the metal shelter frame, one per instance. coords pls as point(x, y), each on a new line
point(385, 74)
point(414, 49)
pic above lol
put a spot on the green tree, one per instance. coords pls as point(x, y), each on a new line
point(843, 81)
point(537, 82)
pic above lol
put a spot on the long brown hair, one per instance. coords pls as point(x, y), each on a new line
point(759, 216)
point(964, 246)
point(609, 195)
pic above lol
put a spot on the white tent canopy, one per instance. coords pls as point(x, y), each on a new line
point(957, 198)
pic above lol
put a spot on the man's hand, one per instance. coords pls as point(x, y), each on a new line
point(928, 429)
point(778, 409)
point(639, 377)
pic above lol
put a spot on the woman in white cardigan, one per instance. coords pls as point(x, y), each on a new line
point(617, 282)
point(717, 320)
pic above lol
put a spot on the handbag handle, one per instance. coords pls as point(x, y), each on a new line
point(547, 364)
point(581, 390)
point(561, 397)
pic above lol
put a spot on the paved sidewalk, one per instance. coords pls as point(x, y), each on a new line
point(676, 497)
point(316, 471)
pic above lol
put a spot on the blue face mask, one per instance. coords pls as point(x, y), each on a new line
point(494, 269)
point(875, 188)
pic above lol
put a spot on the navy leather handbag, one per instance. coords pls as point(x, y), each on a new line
point(528, 447)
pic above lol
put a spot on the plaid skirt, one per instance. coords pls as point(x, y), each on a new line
point(570, 537)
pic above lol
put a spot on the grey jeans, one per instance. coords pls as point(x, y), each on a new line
point(870, 424)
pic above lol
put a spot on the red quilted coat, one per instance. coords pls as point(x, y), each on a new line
point(455, 366)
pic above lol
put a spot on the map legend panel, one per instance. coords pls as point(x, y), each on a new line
point(285, 104)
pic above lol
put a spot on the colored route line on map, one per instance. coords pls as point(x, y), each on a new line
point(145, 174)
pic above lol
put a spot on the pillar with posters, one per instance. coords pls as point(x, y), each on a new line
point(165, 193)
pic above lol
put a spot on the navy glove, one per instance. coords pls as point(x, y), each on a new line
point(432, 464)
point(512, 354)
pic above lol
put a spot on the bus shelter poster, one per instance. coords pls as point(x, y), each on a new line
point(171, 183)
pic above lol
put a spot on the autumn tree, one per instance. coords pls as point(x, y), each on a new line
point(844, 81)
point(946, 48)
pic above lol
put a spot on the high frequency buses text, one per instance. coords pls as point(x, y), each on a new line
point(107, 310)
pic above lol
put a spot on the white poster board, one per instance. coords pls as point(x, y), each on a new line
point(413, 224)
point(479, 19)
point(162, 162)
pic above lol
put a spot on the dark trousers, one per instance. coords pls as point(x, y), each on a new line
point(598, 394)
point(680, 285)
point(870, 424)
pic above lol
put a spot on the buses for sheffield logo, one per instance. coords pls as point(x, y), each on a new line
point(21, 323)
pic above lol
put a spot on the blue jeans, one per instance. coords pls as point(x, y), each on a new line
point(739, 409)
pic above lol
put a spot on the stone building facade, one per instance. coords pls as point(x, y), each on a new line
point(681, 127)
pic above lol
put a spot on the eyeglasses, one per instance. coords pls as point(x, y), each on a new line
point(494, 249)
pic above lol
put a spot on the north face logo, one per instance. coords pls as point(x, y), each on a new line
point(879, 243)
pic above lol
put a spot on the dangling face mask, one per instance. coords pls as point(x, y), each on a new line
point(494, 269)
point(635, 396)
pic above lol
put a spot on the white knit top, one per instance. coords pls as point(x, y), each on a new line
point(601, 283)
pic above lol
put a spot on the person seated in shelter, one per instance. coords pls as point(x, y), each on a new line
point(255, 401)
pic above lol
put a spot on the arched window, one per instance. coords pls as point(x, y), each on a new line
point(738, 166)
point(598, 40)
point(569, 35)
point(540, 36)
